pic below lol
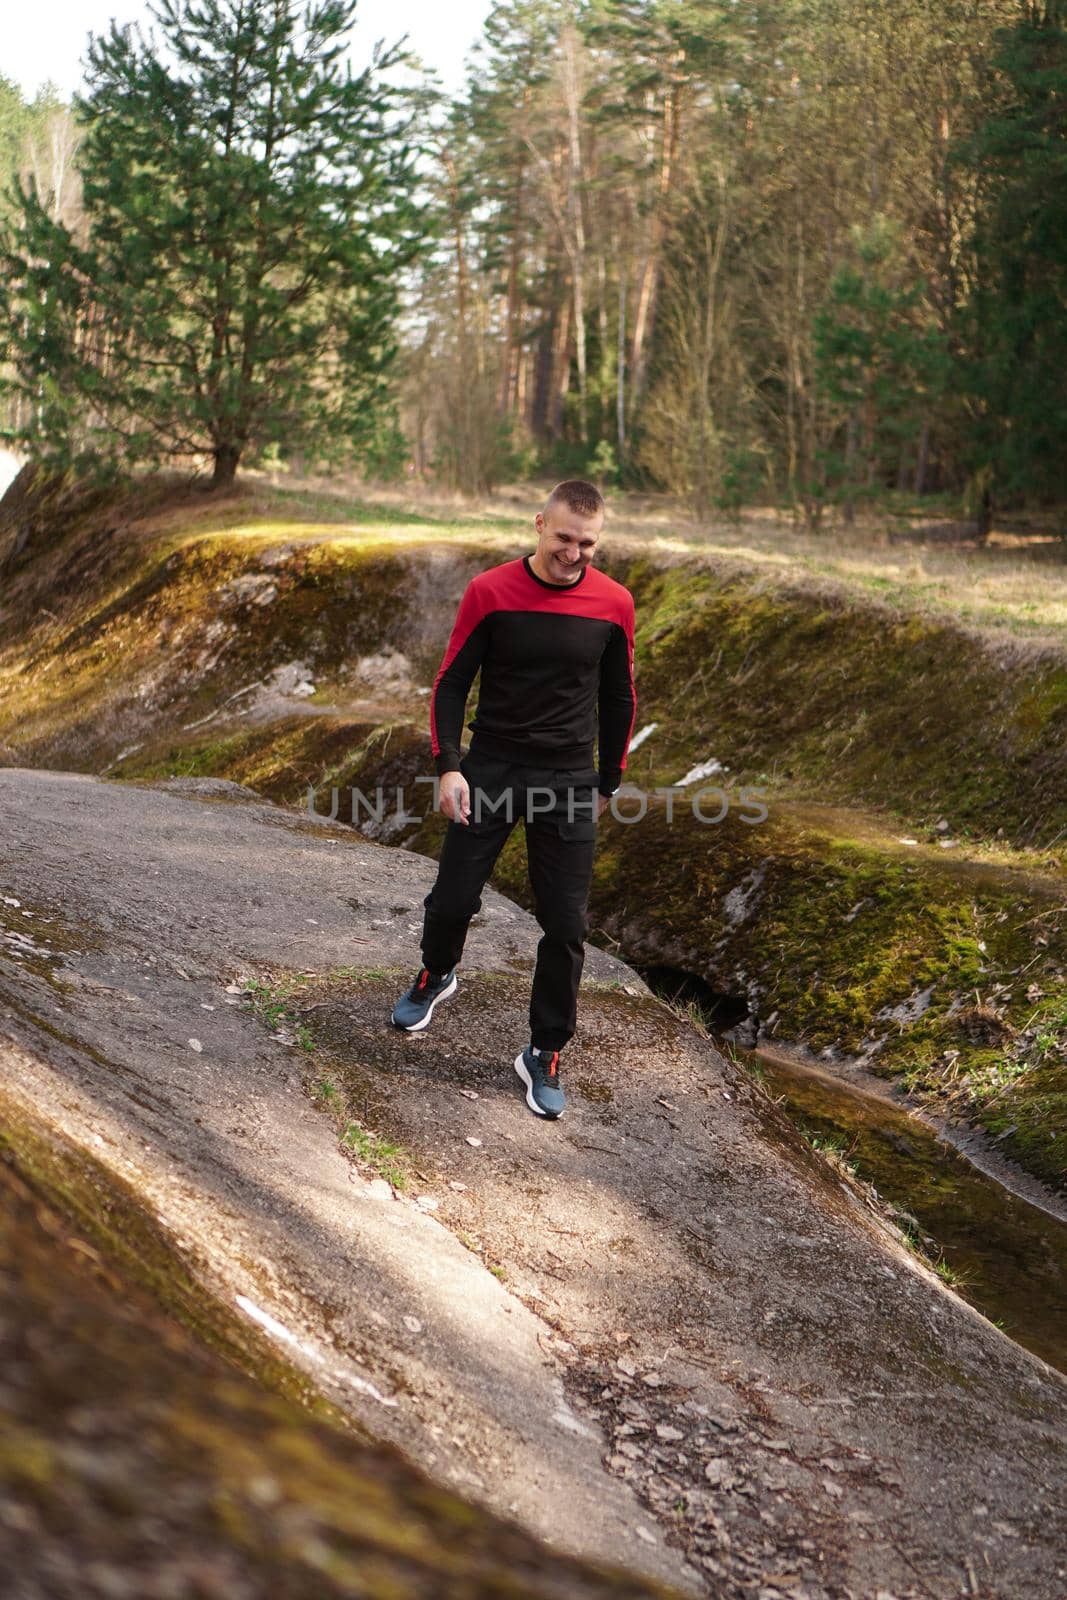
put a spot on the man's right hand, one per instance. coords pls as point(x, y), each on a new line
point(454, 797)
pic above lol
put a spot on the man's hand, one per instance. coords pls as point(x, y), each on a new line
point(602, 803)
point(454, 797)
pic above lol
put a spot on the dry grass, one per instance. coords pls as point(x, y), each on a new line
point(1014, 587)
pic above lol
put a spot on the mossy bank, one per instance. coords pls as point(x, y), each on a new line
point(291, 655)
point(153, 1445)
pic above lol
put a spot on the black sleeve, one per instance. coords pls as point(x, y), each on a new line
point(457, 672)
point(616, 707)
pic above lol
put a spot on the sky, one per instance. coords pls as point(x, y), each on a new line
point(46, 38)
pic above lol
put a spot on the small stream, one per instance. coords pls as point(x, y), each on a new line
point(1003, 1253)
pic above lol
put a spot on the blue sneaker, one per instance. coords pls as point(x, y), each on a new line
point(413, 1010)
point(539, 1071)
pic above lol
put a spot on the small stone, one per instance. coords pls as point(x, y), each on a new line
point(413, 1325)
point(643, 1533)
point(715, 1469)
point(264, 1490)
point(626, 1367)
point(476, 1143)
point(834, 1490)
point(194, 1044)
point(469, 1094)
point(652, 1379)
point(460, 1188)
point(428, 1202)
point(634, 1410)
point(671, 1435)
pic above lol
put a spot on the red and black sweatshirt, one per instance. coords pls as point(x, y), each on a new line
point(557, 670)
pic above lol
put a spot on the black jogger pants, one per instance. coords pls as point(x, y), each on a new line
point(559, 810)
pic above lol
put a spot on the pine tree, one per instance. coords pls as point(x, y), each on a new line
point(880, 364)
point(249, 206)
point(1013, 333)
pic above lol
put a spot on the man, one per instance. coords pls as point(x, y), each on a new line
point(553, 639)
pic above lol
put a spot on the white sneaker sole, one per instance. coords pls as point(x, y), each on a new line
point(520, 1068)
point(417, 1027)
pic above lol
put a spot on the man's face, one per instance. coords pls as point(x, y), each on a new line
point(566, 541)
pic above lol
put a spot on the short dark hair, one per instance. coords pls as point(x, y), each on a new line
point(577, 495)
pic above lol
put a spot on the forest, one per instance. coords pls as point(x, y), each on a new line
point(304, 1288)
point(811, 253)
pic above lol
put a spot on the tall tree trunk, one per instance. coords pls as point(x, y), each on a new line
point(985, 514)
point(620, 375)
point(561, 368)
point(469, 464)
point(544, 368)
point(572, 94)
point(646, 298)
point(509, 366)
point(226, 459)
point(851, 440)
point(923, 458)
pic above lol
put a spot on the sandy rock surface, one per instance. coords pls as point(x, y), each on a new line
point(693, 1334)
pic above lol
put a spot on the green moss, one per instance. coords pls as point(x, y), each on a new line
point(107, 1212)
point(123, 1436)
point(166, 624)
point(851, 950)
point(846, 703)
point(822, 702)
